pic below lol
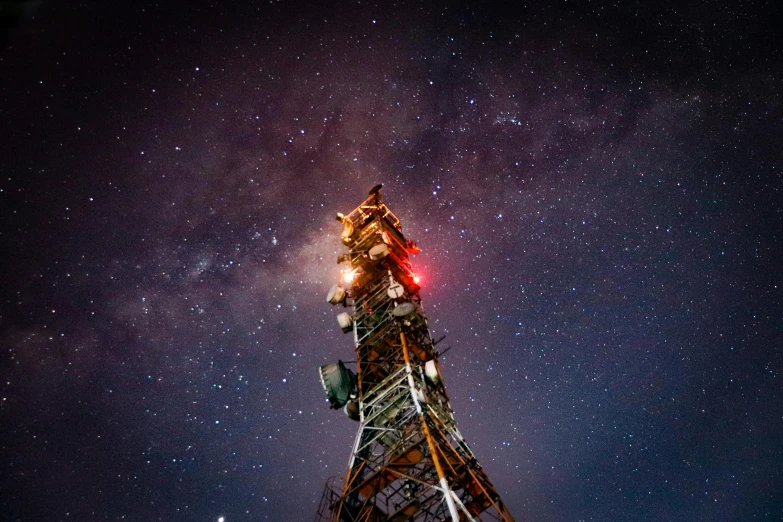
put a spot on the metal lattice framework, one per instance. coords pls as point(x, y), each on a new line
point(409, 461)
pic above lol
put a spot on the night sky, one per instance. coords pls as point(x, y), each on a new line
point(595, 187)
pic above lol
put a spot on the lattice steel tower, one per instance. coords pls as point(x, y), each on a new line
point(409, 462)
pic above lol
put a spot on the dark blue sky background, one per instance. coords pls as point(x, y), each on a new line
point(596, 189)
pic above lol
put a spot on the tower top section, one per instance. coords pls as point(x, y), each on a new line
point(372, 206)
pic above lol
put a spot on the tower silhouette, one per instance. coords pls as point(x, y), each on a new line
point(409, 461)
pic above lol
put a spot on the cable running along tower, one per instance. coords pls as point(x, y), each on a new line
point(409, 461)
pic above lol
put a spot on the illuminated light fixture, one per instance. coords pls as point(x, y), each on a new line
point(349, 276)
point(416, 279)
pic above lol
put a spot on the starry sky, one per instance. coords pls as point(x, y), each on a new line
point(595, 187)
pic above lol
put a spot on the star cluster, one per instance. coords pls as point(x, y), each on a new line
point(596, 189)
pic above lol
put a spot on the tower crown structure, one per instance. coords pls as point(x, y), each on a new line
point(409, 461)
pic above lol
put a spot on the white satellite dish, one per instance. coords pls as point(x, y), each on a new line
point(403, 309)
point(379, 251)
point(395, 290)
point(431, 371)
point(336, 295)
point(348, 230)
point(345, 321)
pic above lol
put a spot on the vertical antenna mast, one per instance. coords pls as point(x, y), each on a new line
point(409, 461)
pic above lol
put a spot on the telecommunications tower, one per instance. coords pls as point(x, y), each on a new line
point(409, 461)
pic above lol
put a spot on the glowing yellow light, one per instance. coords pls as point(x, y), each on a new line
point(348, 276)
point(416, 279)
